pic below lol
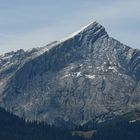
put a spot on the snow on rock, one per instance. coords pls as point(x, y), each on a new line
point(132, 121)
point(81, 75)
point(78, 74)
point(91, 25)
point(112, 68)
point(65, 76)
point(90, 76)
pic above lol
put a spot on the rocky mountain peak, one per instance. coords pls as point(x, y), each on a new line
point(92, 30)
point(86, 76)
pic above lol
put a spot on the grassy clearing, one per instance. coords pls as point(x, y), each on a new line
point(85, 134)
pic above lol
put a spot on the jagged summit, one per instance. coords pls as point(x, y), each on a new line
point(87, 76)
point(92, 28)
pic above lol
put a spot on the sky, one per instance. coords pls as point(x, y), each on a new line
point(26, 24)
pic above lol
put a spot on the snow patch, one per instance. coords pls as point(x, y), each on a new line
point(130, 53)
point(78, 74)
point(65, 76)
point(101, 68)
point(7, 57)
point(132, 121)
point(112, 68)
point(90, 76)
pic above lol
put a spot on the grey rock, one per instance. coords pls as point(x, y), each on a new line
point(84, 77)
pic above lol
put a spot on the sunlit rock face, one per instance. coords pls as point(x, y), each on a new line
point(87, 76)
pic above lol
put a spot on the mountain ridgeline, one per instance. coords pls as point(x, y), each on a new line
point(87, 76)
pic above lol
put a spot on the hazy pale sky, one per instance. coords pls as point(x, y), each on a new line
point(34, 23)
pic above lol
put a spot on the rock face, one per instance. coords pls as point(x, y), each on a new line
point(84, 77)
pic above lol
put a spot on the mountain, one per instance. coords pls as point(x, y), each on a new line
point(86, 76)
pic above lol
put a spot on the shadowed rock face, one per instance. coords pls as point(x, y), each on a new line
point(86, 76)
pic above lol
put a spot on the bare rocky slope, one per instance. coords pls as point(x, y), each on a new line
point(86, 76)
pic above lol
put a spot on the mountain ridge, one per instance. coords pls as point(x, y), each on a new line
point(74, 80)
